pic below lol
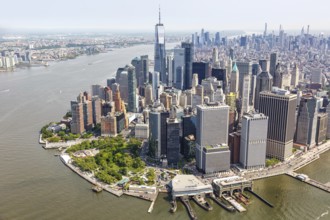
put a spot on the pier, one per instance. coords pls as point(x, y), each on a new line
point(324, 187)
point(262, 199)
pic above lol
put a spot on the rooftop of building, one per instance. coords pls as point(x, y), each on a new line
point(230, 180)
point(187, 183)
point(212, 105)
point(254, 115)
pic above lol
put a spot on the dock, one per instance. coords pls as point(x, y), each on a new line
point(186, 203)
point(234, 203)
point(324, 187)
point(262, 199)
point(153, 203)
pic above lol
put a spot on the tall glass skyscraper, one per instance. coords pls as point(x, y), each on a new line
point(160, 55)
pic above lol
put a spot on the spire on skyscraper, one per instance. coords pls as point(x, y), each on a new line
point(159, 15)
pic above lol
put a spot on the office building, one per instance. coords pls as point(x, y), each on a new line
point(316, 75)
point(97, 110)
point(234, 143)
point(189, 59)
point(273, 63)
point(295, 76)
point(280, 107)
point(155, 85)
point(264, 83)
point(234, 80)
point(173, 138)
point(142, 131)
point(148, 94)
point(179, 68)
point(212, 133)
point(132, 105)
point(202, 69)
point(253, 140)
point(307, 121)
point(160, 54)
point(321, 128)
point(77, 123)
point(109, 125)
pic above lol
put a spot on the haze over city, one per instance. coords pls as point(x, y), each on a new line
point(183, 15)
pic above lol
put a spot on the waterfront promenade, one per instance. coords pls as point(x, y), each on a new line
point(295, 162)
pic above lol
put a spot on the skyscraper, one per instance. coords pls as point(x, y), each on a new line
point(273, 63)
point(264, 83)
point(173, 138)
point(96, 105)
point(148, 94)
point(234, 80)
point(253, 140)
point(202, 69)
point(307, 121)
point(160, 55)
point(179, 68)
point(189, 59)
point(155, 85)
point(77, 123)
point(280, 107)
point(170, 68)
point(131, 89)
point(212, 152)
point(295, 76)
point(144, 68)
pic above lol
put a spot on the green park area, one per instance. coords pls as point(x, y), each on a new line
point(118, 157)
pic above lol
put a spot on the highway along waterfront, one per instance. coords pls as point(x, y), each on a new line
point(36, 185)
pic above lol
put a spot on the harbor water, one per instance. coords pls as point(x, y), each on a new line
point(36, 185)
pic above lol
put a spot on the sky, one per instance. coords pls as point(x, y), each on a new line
point(177, 15)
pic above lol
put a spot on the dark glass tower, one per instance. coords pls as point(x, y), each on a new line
point(189, 58)
point(131, 88)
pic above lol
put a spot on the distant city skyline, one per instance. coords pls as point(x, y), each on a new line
point(180, 15)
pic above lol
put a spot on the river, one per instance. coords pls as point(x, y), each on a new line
point(34, 184)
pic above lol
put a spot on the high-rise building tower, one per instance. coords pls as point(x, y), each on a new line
point(307, 121)
point(160, 55)
point(212, 152)
point(145, 68)
point(273, 63)
point(155, 85)
point(170, 68)
point(173, 138)
point(202, 69)
point(131, 107)
point(194, 80)
point(253, 140)
point(234, 80)
point(117, 98)
point(179, 68)
point(96, 105)
point(77, 123)
point(264, 83)
point(280, 107)
point(148, 94)
point(189, 59)
point(265, 31)
point(295, 75)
